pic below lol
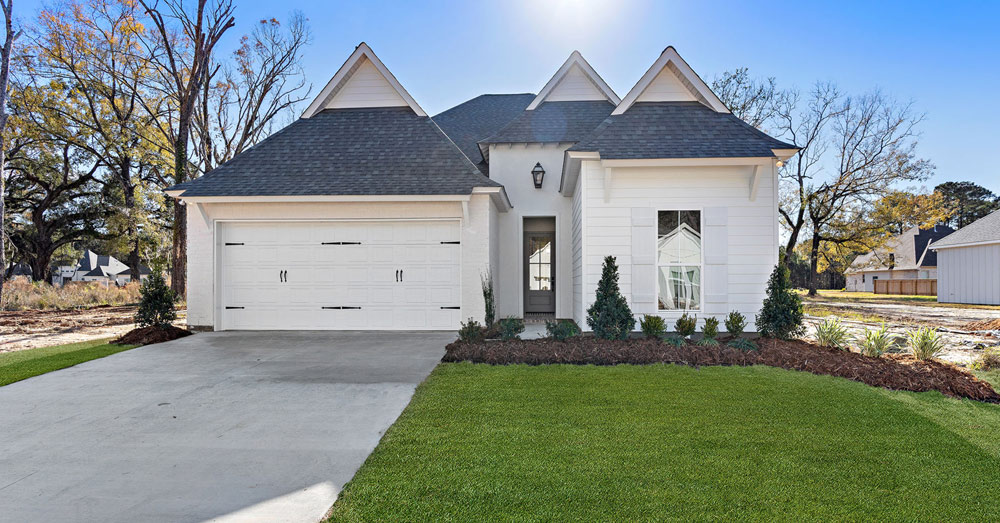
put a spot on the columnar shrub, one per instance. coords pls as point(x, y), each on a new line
point(735, 323)
point(832, 333)
point(156, 305)
point(652, 326)
point(685, 325)
point(510, 328)
point(781, 315)
point(489, 297)
point(610, 316)
point(561, 330)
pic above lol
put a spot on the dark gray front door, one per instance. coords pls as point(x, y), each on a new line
point(539, 272)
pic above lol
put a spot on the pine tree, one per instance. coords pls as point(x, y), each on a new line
point(610, 316)
point(781, 315)
point(156, 308)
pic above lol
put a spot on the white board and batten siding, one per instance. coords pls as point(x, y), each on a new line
point(969, 274)
point(366, 87)
point(739, 235)
point(575, 86)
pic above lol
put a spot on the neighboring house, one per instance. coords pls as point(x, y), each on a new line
point(366, 213)
point(99, 268)
point(969, 263)
point(904, 257)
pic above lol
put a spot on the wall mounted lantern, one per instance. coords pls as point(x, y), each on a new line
point(538, 174)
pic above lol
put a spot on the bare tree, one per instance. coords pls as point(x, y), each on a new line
point(806, 128)
point(187, 40)
point(874, 140)
point(751, 100)
point(5, 53)
point(264, 80)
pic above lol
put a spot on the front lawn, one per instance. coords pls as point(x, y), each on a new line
point(627, 442)
point(23, 364)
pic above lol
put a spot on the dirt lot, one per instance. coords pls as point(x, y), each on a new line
point(41, 328)
point(964, 344)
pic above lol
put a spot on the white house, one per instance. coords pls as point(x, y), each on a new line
point(904, 257)
point(969, 263)
point(366, 213)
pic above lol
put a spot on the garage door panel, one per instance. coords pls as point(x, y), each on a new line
point(320, 279)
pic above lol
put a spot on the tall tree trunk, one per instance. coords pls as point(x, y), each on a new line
point(793, 237)
point(178, 255)
point(128, 192)
point(813, 264)
point(8, 46)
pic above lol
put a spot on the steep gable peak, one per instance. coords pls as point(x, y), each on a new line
point(575, 80)
point(671, 79)
point(363, 81)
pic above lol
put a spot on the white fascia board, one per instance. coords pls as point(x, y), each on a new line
point(498, 195)
point(670, 55)
point(329, 198)
point(362, 51)
point(574, 58)
point(784, 154)
point(175, 194)
point(967, 244)
point(571, 170)
point(687, 162)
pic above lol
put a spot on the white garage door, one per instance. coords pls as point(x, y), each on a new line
point(340, 275)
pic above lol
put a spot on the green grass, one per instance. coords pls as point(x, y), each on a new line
point(820, 311)
point(671, 442)
point(990, 376)
point(23, 364)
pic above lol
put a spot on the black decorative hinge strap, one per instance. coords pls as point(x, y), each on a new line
point(227, 307)
point(455, 308)
point(451, 243)
point(340, 243)
point(234, 243)
point(341, 307)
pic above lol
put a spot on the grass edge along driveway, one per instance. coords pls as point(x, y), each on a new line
point(23, 364)
point(560, 442)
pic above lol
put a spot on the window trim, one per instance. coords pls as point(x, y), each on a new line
point(700, 264)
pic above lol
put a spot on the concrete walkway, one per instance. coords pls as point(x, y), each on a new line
point(264, 426)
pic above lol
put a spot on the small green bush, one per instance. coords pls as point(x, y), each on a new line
point(653, 326)
point(472, 331)
point(832, 333)
point(708, 342)
point(781, 315)
point(674, 340)
point(686, 325)
point(510, 328)
point(874, 343)
point(735, 323)
point(925, 343)
point(610, 316)
point(156, 304)
point(711, 327)
point(561, 330)
point(989, 360)
point(742, 344)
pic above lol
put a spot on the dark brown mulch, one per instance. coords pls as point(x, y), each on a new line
point(896, 372)
point(150, 335)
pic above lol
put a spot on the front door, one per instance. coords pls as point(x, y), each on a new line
point(539, 272)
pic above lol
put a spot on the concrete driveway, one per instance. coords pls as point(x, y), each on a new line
point(235, 426)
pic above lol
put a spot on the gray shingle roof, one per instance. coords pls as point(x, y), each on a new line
point(480, 118)
point(554, 122)
point(985, 229)
point(677, 130)
point(380, 151)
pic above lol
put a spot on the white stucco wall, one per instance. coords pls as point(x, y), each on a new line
point(202, 272)
point(739, 235)
point(511, 166)
point(857, 283)
point(969, 275)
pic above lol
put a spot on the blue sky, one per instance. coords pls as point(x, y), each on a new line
point(945, 57)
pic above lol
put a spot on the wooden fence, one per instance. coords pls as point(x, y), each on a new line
point(906, 287)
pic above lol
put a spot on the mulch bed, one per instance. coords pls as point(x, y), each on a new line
point(896, 372)
point(150, 335)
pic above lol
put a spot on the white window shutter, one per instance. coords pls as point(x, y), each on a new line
point(715, 249)
point(643, 260)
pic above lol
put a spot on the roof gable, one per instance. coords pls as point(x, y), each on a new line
point(362, 82)
point(575, 81)
point(671, 79)
point(982, 231)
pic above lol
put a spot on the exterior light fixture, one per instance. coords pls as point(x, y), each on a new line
point(537, 175)
point(780, 163)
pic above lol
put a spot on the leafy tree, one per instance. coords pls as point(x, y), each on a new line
point(781, 315)
point(156, 308)
point(610, 316)
point(899, 211)
point(967, 202)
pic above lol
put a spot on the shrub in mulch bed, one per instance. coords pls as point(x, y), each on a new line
point(151, 334)
point(897, 372)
